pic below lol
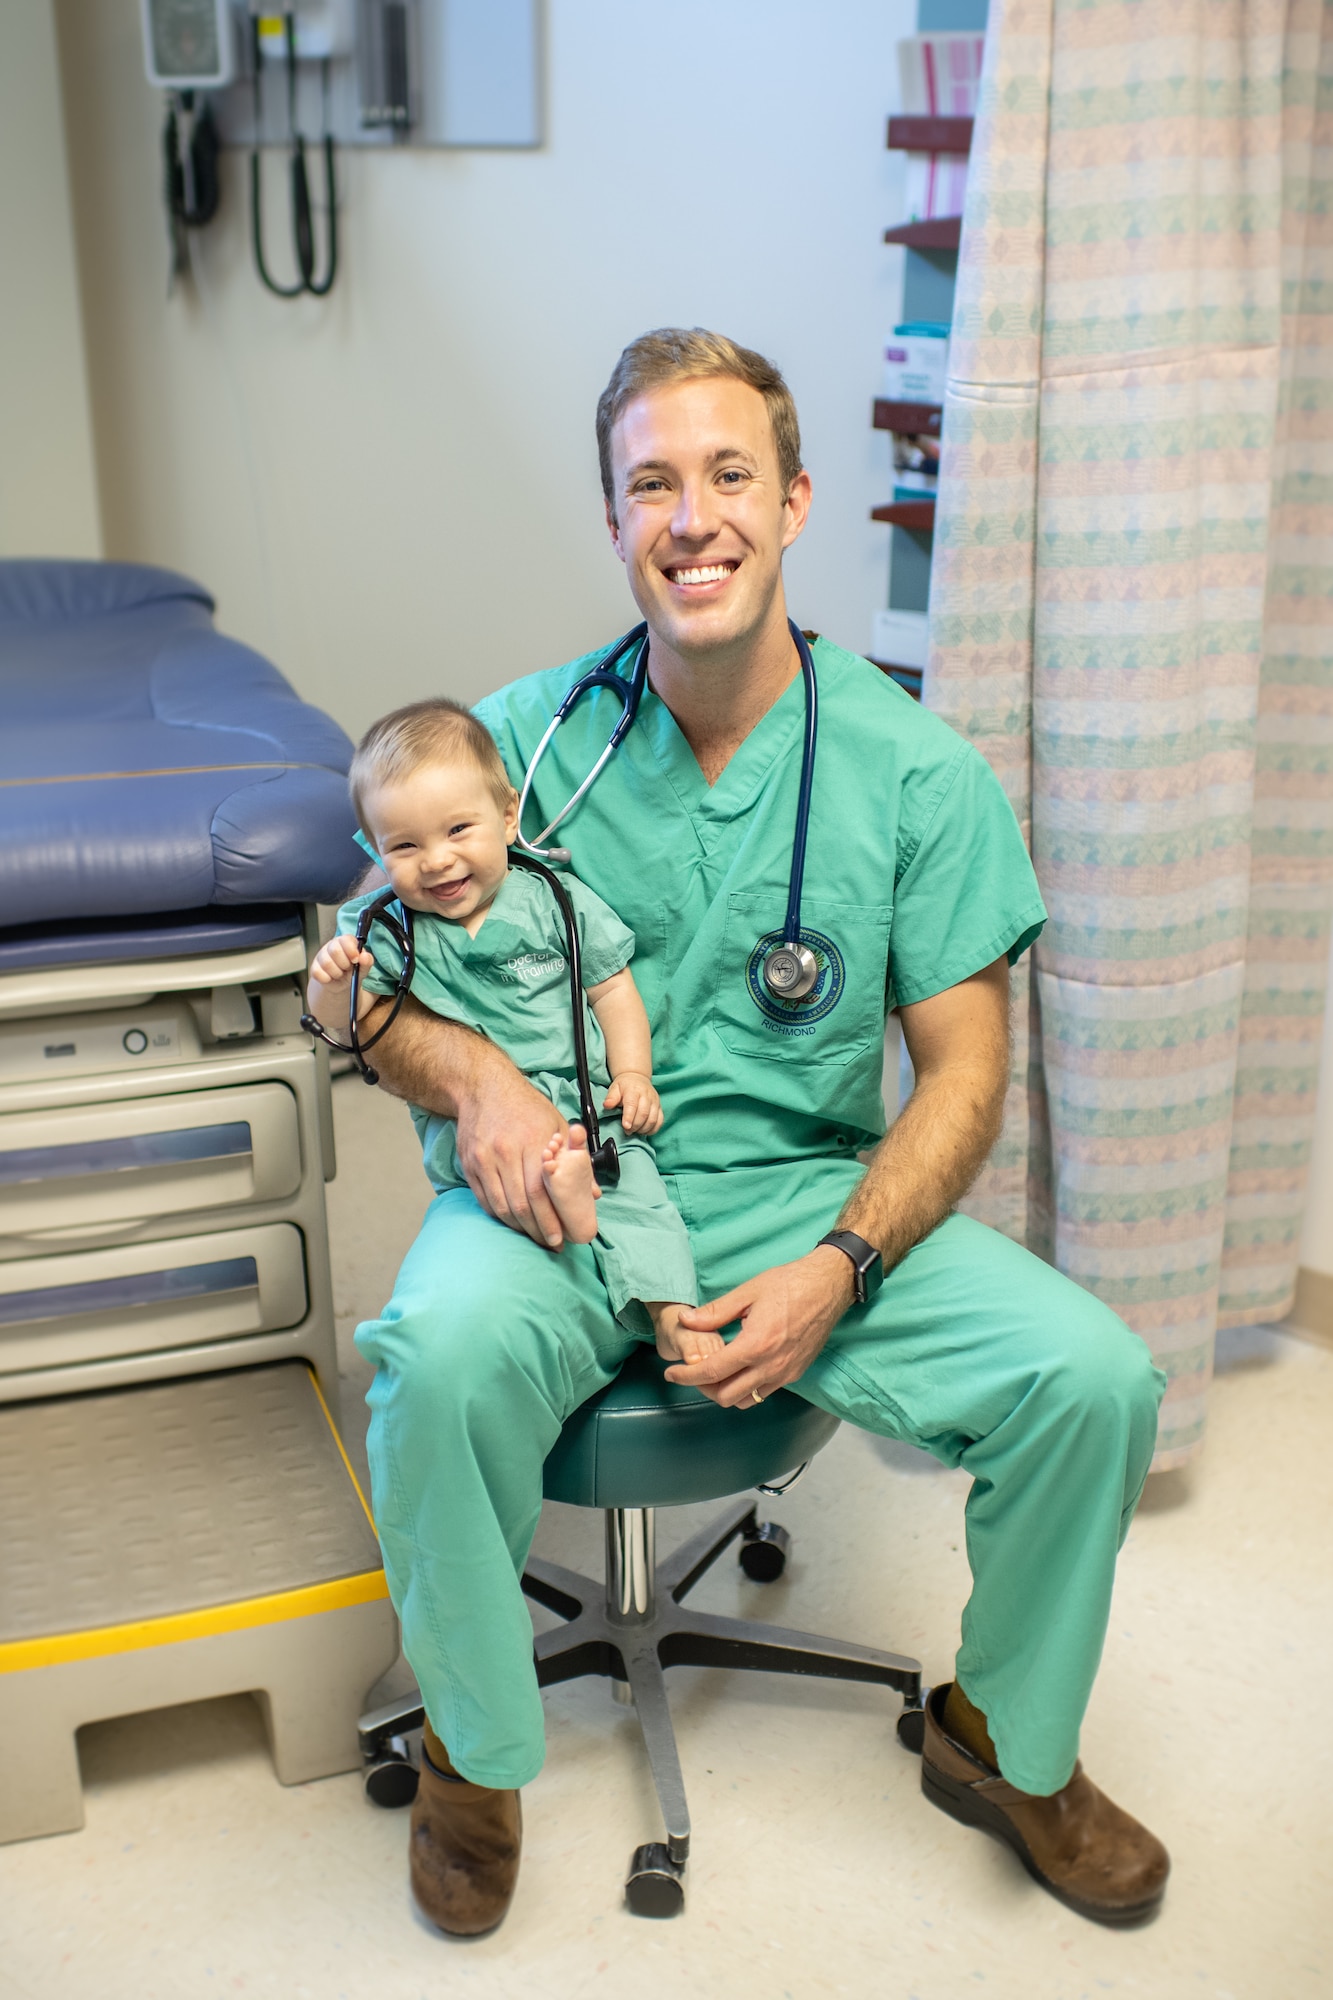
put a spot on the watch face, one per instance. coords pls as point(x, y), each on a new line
point(185, 38)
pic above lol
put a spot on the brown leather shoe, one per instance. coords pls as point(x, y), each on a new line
point(1076, 1843)
point(463, 1848)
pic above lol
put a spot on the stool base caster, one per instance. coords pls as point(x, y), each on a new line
point(654, 1887)
point(763, 1552)
point(912, 1725)
point(391, 1779)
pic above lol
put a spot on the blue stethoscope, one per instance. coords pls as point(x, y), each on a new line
point(791, 968)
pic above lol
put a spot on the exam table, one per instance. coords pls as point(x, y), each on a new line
point(177, 1517)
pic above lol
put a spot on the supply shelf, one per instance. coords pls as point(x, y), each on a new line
point(918, 515)
point(929, 135)
point(909, 419)
point(941, 232)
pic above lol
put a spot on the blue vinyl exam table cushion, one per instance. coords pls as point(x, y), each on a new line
point(148, 764)
point(164, 934)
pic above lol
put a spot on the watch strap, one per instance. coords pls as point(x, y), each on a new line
point(866, 1261)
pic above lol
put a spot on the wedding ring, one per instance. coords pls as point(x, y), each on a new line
point(755, 1396)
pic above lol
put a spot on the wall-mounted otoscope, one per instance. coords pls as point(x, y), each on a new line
point(302, 208)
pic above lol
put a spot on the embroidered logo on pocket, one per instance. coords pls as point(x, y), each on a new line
point(797, 1017)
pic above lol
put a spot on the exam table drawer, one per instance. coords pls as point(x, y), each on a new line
point(137, 1298)
point(77, 1170)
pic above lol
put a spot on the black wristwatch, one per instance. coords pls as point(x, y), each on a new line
point(866, 1261)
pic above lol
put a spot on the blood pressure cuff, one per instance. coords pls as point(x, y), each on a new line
point(147, 763)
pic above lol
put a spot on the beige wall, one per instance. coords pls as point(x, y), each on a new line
point(48, 494)
point(395, 491)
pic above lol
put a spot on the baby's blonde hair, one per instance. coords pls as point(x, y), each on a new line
point(438, 731)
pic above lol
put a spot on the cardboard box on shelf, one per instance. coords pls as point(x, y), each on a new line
point(900, 638)
point(940, 75)
point(916, 362)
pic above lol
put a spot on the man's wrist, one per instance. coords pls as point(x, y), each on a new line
point(841, 1276)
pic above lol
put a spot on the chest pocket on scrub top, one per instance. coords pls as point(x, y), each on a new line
point(841, 1018)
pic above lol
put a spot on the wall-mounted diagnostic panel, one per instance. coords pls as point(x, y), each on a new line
point(320, 75)
point(365, 72)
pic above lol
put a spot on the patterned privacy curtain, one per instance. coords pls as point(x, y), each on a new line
point(1131, 615)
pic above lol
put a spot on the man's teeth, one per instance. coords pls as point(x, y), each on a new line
point(715, 573)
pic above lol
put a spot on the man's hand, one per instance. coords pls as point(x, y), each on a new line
point(503, 1131)
point(786, 1315)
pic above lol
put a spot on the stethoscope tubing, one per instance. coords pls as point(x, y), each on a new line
point(791, 930)
point(302, 217)
point(529, 854)
point(400, 929)
point(630, 692)
point(604, 1156)
point(605, 1159)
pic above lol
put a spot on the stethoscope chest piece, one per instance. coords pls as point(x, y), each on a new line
point(790, 972)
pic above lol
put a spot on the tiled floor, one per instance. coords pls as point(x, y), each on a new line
point(819, 1869)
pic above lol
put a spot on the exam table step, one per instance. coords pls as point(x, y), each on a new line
point(173, 1543)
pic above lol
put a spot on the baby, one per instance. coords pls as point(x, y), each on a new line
point(439, 814)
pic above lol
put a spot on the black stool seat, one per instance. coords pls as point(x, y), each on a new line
point(647, 1442)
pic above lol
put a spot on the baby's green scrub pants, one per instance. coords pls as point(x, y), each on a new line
point(973, 1348)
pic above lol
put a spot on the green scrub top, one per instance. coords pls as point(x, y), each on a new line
point(916, 876)
point(510, 981)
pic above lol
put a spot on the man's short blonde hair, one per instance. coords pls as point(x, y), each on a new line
point(680, 354)
point(437, 731)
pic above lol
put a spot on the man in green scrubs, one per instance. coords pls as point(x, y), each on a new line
point(918, 895)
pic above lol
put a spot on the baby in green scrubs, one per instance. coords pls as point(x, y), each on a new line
point(438, 813)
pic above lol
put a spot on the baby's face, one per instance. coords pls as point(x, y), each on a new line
point(443, 839)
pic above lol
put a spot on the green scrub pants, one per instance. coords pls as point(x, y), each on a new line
point(973, 1348)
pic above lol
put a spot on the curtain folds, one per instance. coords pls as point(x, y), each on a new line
point(1132, 617)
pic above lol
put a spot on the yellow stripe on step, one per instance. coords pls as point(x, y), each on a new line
point(19, 1654)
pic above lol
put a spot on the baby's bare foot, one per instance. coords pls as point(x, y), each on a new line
point(680, 1343)
point(570, 1184)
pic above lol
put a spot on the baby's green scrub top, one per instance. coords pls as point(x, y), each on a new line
point(915, 878)
point(511, 983)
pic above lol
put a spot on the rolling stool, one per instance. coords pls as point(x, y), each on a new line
point(644, 1443)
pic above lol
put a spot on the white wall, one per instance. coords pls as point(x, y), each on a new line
point(396, 491)
point(48, 494)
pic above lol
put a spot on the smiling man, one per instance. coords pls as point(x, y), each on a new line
point(913, 1322)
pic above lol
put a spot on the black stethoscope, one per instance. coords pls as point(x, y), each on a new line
point(605, 1158)
point(303, 224)
point(791, 968)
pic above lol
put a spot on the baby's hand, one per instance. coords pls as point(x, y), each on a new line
point(680, 1343)
point(334, 962)
point(640, 1105)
